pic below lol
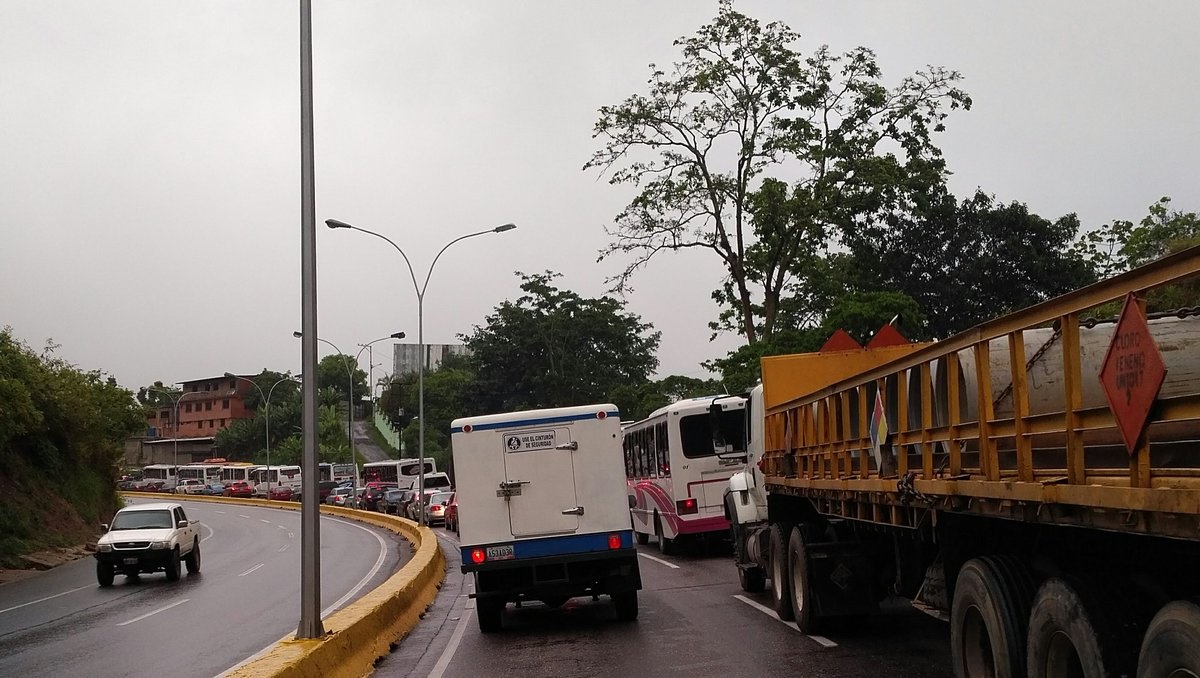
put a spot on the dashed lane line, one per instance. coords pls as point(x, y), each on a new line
point(154, 612)
point(647, 556)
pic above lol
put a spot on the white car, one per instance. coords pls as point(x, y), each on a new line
point(190, 486)
point(148, 538)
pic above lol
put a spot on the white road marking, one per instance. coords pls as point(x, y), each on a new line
point(363, 582)
point(451, 647)
point(284, 548)
point(251, 569)
point(161, 609)
point(41, 600)
point(220, 512)
point(820, 640)
point(290, 535)
point(264, 521)
point(647, 556)
point(281, 527)
point(240, 515)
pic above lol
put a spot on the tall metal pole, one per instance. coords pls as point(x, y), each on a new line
point(310, 527)
point(420, 290)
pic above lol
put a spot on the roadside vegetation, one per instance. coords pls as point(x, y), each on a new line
point(62, 435)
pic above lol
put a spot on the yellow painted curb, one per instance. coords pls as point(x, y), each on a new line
point(365, 630)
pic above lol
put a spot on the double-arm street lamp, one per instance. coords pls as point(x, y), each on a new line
point(420, 290)
point(267, 402)
point(350, 395)
point(175, 398)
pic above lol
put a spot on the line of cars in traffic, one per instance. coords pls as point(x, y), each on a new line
point(438, 502)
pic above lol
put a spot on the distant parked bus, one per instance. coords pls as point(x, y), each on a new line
point(206, 473)
point(343, 472)
point(324, 471)
point(237, 470)
point(265, 478)
point(399, 471)
point(159, 472)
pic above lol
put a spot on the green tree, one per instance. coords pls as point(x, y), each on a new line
point(553, 348)
point(337, 372)
point(965, 262)
point(155, 395)
point(741, 102)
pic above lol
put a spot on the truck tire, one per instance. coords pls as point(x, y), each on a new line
point(490, 612)
point(192, 560)
point(173, 565)
point(800, 584)
point(104, 574)
point(1071, 631)
point(988, 618)
point(781, 595)
point(626, 605)
point(1172, 643)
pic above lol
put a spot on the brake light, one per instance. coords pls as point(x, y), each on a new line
point(478, 556)
point(686, 506)
point(614, 541)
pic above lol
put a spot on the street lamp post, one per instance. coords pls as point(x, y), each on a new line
point(350, 397)
point(175, 422)
point(267, 403)
point(420, 290)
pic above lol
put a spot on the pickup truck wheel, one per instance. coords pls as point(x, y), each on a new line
point(781, 594)
point(104, 574)
point(490, 612)
point(988, 618)
point(626, 605)
point(193, 559)
point(173, 565)
point(1172, 643)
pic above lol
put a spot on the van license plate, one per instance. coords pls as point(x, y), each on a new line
point(500, 552)
point(131, 561)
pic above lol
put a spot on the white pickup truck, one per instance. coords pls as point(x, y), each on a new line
point(148, 538)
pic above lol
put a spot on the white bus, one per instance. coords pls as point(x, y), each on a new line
point(206, 473)
point(265, 478)
point(676, 480)
point(343, 472)
point(399, 471)
point(237, 470)
point(159, 472)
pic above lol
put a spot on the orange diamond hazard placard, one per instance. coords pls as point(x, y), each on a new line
point(1132, 373)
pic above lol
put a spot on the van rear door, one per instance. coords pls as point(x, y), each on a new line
point(539, 469)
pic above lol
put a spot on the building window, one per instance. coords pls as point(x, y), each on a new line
point(187, 408)
point(152, 415)
point(208, 405)
point(225, 404)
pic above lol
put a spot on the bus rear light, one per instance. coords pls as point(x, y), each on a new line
point(614, 541)
point(686, 506)
point(478, 556)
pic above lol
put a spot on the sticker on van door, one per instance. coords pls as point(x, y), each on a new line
point(527, 441)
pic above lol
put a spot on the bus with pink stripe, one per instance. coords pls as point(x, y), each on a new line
point(676, 477)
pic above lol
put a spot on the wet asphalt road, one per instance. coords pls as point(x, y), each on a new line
point(694, 620)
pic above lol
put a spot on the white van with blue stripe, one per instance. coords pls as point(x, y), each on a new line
point(543, 509)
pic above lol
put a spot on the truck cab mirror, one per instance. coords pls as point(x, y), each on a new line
point(104, 527)
point(181, 524)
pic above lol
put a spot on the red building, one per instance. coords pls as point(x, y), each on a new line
point(205, 407)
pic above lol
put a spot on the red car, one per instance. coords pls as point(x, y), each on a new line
point(281, 493)
point(239, 488)
point(451, 514)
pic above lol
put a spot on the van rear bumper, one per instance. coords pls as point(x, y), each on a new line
point(563, 575)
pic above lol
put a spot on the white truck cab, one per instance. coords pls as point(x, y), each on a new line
point(543, 509)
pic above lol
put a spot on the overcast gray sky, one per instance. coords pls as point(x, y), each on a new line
point(150, 163)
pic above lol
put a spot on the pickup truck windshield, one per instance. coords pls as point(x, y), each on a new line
point(140, 520)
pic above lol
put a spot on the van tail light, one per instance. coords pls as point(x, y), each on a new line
point(478, 556)
point(686, 506)
point(614, 541)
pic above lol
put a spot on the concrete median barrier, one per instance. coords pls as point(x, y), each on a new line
point(357, 635)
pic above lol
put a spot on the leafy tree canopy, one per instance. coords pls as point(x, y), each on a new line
point(740, 103)
point(553, 348)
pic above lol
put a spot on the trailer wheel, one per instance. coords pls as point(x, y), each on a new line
point(781, 595)
point(803, 602)
point(490, 612)
point(1071, 630)
point(988, 618)
point(1172, 643)
point(626, 605)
